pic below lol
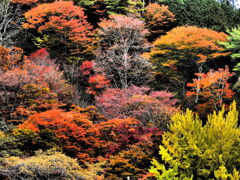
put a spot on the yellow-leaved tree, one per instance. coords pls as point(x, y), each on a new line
point(191, 150)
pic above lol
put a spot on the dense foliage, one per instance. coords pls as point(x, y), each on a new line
point(90, 89)
point(60, 24)
point(192, 149)
point(182, 52)
point(218, 15)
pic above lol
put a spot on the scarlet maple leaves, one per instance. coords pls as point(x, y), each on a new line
point(81, 138)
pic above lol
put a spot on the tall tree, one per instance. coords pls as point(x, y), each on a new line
point(232, 45)
point(64, 26)
point(158, 19)
point(121, 43)
point(10, 23)
point(210, 90)
point(182, 52)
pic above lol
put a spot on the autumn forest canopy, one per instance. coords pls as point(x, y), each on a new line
point(119, 89)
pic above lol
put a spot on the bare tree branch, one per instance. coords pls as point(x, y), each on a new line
point(10, 23)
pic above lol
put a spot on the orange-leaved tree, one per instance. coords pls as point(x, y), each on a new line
point(211, 89)
point(79, 137)
point(74, 131)
point(35, 85)
point(182, 52)
point(159, 20)
point(134, 160)
point(9, 57)
point(64, 24)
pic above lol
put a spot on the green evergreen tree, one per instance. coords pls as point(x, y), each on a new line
point(204, 13)
point(232, 44)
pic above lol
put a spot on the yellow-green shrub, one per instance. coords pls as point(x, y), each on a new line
point(193, 150)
